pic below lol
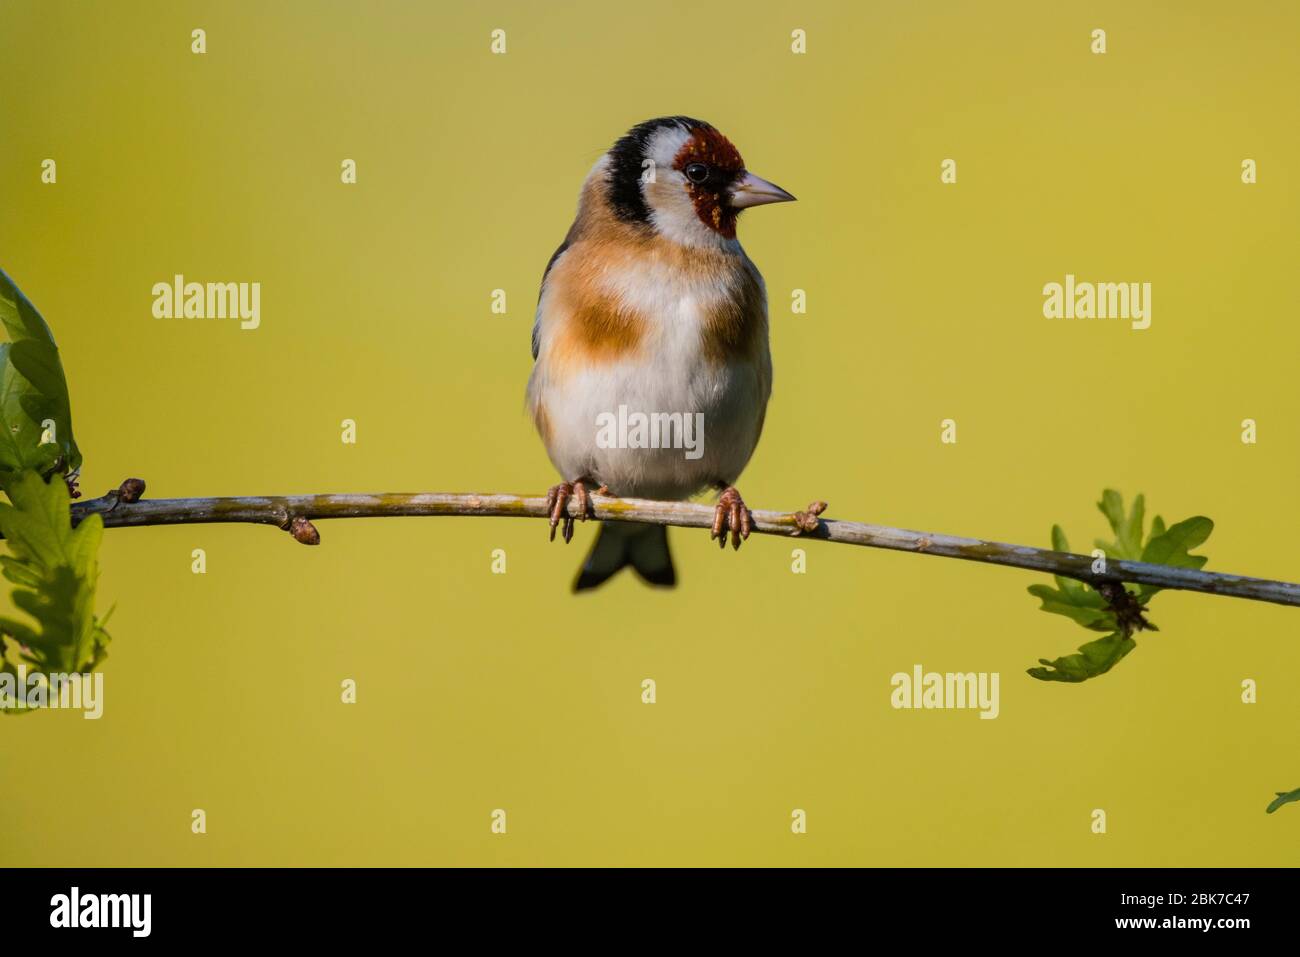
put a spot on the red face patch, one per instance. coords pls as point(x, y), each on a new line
point(722, 161)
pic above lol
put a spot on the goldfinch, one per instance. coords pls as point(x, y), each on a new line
point(651, 370)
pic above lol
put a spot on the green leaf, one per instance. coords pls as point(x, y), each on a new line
point(1059, 542)
point(33, 391)
point(1084, 605)
point(1173, 547)
point(55, 567)
point(1126, 526)
point(1070, 586)
point(1095, 658)
point(1283, 797)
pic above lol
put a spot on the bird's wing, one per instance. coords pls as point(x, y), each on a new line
point(537, 320)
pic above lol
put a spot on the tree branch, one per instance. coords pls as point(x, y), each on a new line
point(295, 513)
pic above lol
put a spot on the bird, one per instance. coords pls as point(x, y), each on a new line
point(651, 308)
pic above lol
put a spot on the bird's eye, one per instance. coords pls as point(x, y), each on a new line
point(697, 172)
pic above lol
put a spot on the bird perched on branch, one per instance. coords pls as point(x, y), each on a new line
point(652, 372)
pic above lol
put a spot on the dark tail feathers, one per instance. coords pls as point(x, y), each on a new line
point(644, 547)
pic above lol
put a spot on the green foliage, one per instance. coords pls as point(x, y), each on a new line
point(1120, 615)
point(1283, 797)
point(33, 392)
point(55, 568)
point(1094, 658)
point(1127, 527)
point(54, 628)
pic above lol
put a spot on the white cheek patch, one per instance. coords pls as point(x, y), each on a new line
point(671, 210)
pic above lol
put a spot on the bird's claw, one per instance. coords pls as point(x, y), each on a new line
point(557, 501)
point(732, 515)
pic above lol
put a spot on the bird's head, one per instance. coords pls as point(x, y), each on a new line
point(683, 179)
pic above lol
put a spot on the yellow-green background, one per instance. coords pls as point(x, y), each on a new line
point(480, 691)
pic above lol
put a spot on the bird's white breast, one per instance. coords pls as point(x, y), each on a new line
point(669, 372)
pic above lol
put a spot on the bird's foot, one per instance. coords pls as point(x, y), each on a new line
point(731, 514)
point(557, 501)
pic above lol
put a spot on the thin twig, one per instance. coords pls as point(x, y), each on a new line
point(295, 513)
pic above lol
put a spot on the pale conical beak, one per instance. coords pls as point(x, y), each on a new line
point(751, 190)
